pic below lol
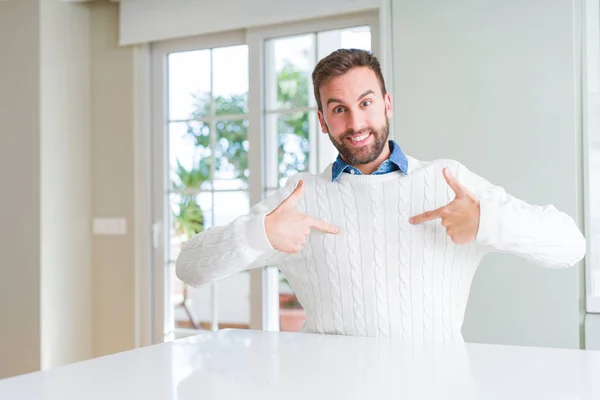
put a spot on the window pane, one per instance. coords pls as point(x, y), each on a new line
point(233, 303)
point(230, 80)
point(268, 192)
point(356, 38)
point(592, 146)
point(594, 218)
point(293, 145)
point(189, 84)
point(189, 155)
point(230, 205)
point(288, 80)
point(190, 214)
point(231, 153)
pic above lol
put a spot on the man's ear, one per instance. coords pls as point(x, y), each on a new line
point(322, 122)
point(388, 105)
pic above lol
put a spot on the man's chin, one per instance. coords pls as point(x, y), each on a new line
point(361, 161)
point(361, 156)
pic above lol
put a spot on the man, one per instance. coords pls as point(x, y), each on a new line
point(379, 244)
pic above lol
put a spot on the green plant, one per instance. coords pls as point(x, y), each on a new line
point(288, 300)
point(231, 142)
point(189, 220)
point(293, 90)
point(231, 137)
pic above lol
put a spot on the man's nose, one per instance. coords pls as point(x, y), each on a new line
point(356, 121)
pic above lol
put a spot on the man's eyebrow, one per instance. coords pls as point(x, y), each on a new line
point(365, 94)
point(334, 100)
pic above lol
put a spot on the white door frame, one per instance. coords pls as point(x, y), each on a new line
point(144, 313)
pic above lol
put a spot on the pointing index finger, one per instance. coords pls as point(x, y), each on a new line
point(322, 226)
point(427, 216)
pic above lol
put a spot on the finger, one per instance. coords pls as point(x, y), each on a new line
point(322, 226)
point(427, 216)
point(458, 189)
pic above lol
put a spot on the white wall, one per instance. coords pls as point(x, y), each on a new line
point(492, 84)
point(112, 180)
point(592, 331)
point(155, 20)
point(45, 240)
point(65, 182)
point(20, 179)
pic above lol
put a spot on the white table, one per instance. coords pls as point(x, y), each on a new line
point(234, 364)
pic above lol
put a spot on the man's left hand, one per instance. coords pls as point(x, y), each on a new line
point(460, 217)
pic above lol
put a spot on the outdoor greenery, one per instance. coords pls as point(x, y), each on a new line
point(231, 142)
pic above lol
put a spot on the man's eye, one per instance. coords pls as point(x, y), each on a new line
point(338, 110)
point(366, 103)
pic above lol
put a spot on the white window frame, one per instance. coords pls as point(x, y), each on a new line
point(163, 317)
point(153, 319)
point(590, 68)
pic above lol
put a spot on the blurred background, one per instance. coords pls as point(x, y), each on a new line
point(128, 126)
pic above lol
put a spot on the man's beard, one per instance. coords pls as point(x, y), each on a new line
point(365, 154)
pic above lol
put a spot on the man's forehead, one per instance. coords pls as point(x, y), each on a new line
point(350, 92)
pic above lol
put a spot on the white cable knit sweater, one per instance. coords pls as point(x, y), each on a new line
point(380, 275)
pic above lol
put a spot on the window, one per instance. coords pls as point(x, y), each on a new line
point(591, 145)
point(208, 169)
point(200, 173)
point(233, 117)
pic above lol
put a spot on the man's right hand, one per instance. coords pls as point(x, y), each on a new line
point(287, 228)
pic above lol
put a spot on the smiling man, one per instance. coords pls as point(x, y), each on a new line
point(379, 243)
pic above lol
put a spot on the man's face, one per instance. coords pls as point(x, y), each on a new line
point(355, 115)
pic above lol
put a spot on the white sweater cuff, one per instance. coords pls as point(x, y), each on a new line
point(490, 218)
point(256, 235)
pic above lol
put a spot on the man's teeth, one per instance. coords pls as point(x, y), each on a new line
point(359, 138)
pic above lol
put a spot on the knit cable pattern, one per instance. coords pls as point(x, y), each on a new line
point(448, 266)
point(212, 243)
point(313, 278)
point(427, 251)
point(352, 230)
point(330, 258)
point(379, 259)
point(213, 237)
point(404, 268)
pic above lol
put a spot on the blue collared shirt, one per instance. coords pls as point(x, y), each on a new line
point(396, 161)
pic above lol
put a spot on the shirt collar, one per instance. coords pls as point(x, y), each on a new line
point(397, 157)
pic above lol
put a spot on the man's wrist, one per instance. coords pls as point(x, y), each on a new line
point(256, 234)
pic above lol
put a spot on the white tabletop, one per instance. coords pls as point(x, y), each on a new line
point(234, 364)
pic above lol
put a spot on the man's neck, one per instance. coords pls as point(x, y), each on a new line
point(368, 169)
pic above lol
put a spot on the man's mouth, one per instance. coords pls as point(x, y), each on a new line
point(360, 140)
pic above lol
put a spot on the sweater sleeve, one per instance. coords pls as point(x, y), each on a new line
point(540, 234)
point(222, 251)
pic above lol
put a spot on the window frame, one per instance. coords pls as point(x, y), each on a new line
point(163, 318)
point(590, 72)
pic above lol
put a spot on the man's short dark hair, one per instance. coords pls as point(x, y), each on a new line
point(341, 61)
